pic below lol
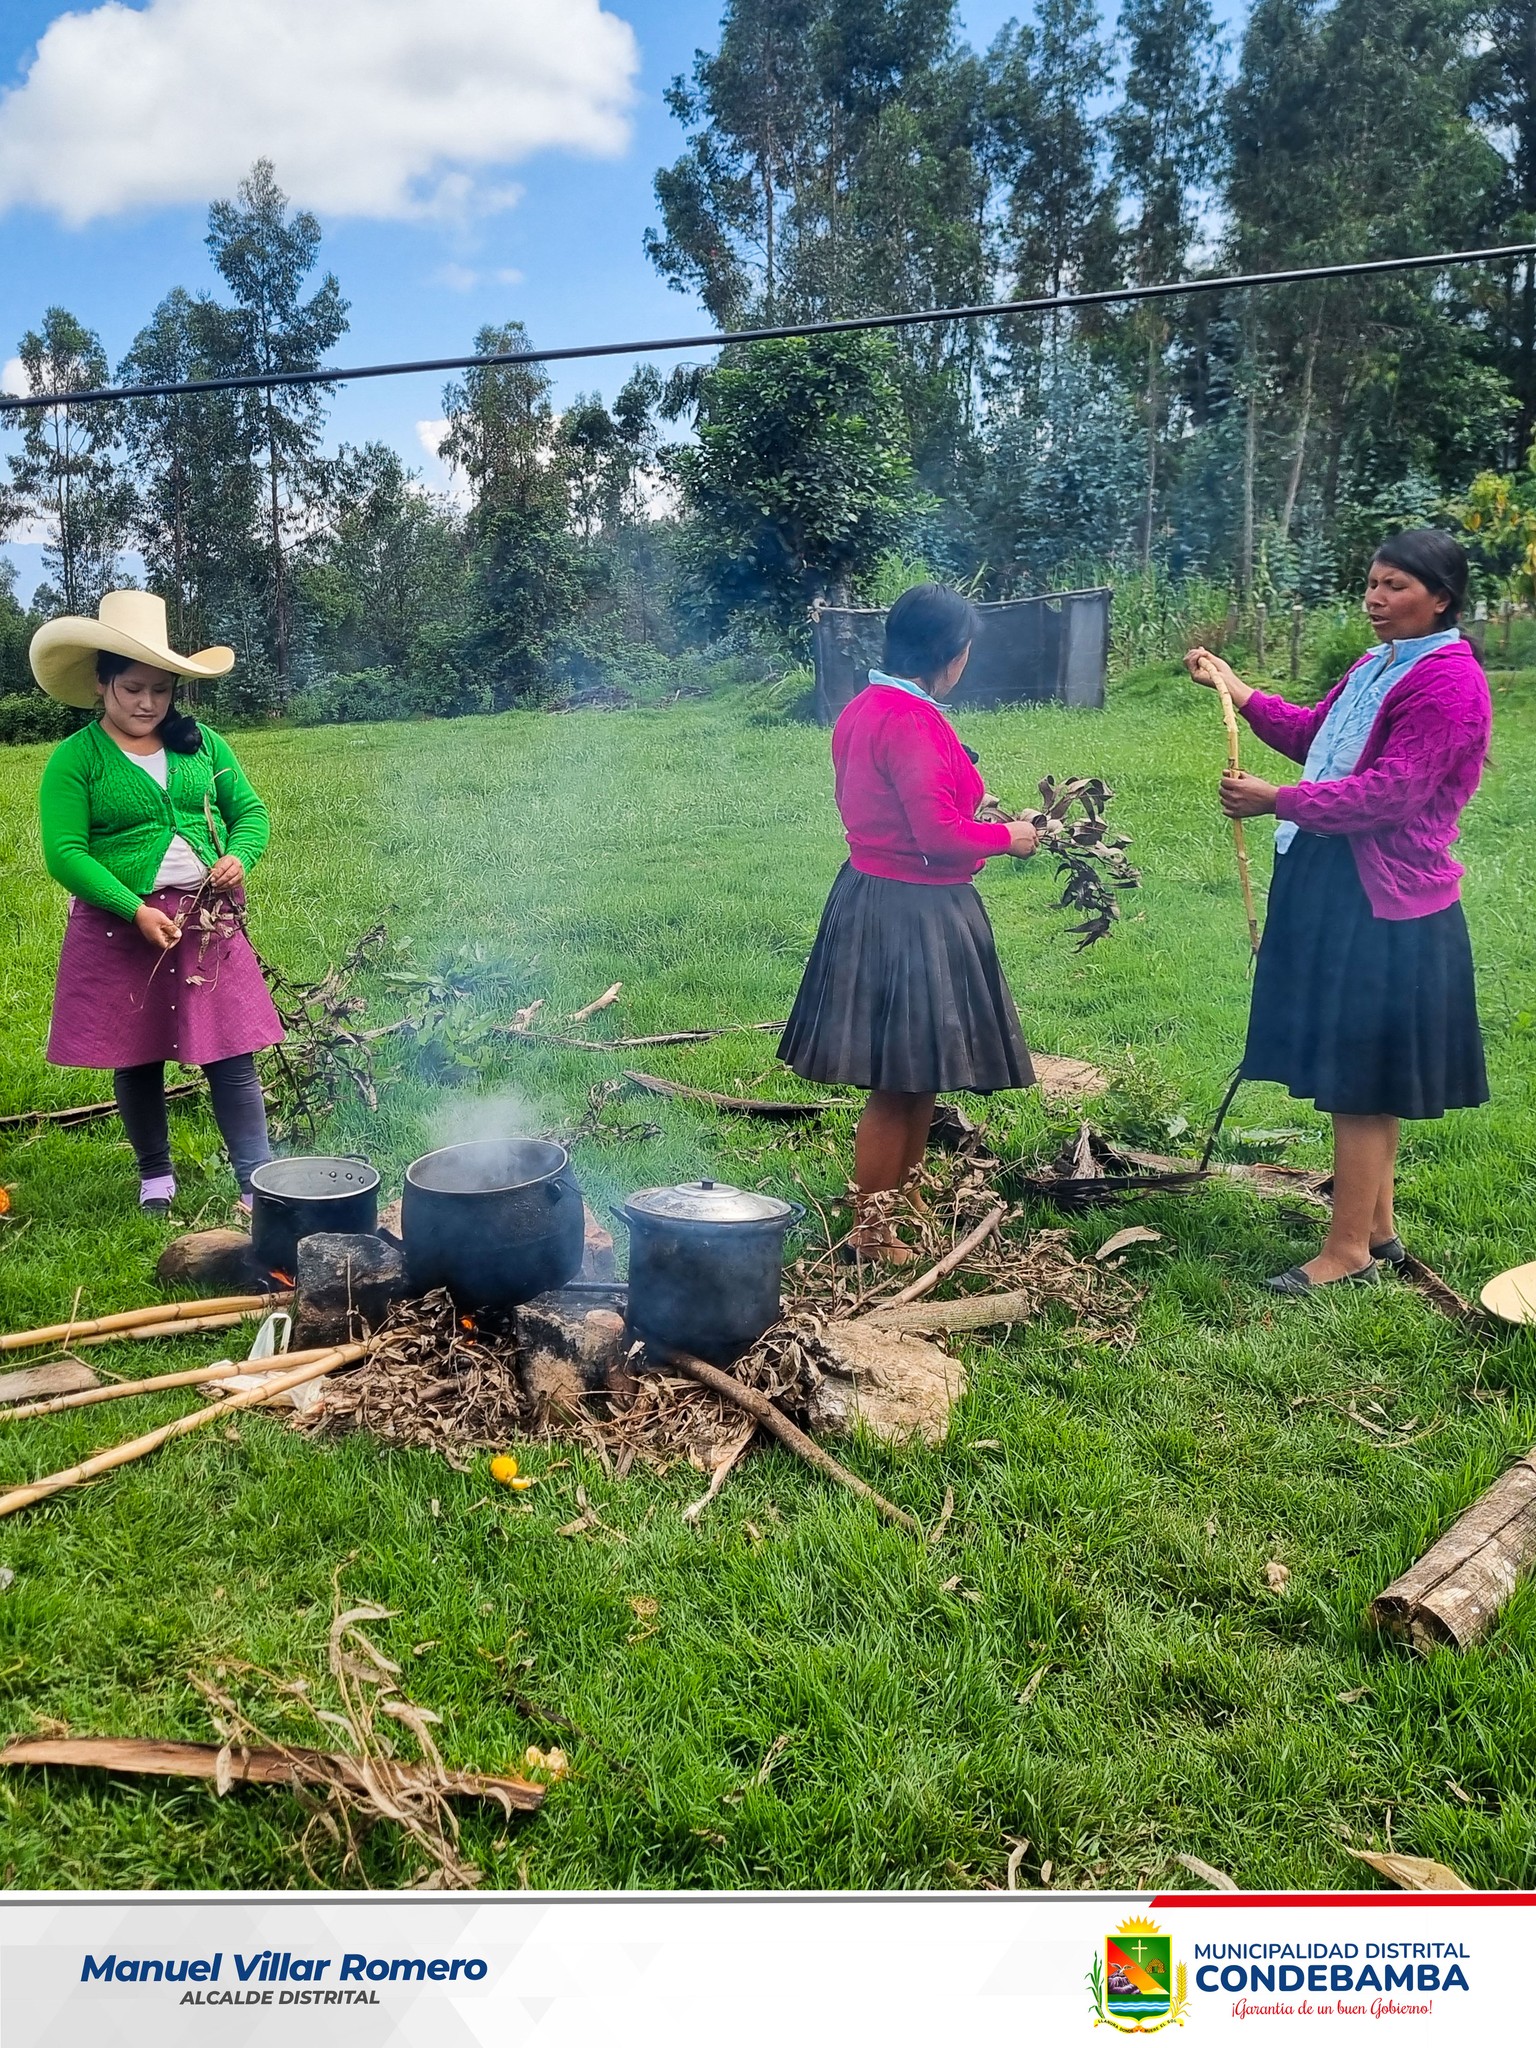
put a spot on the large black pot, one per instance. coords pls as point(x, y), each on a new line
point(292, 1197)
point(705, 1266)
point(495, 1222)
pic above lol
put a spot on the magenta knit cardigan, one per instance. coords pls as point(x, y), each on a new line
point(1421, 762)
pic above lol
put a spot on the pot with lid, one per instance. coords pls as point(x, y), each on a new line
point(705, 1265)
point(290, 1198)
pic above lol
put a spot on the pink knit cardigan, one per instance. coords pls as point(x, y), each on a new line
point(1422, 760)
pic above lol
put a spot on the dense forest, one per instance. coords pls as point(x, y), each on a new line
point(843, 157)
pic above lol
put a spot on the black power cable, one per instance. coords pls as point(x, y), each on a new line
point(1185, 287)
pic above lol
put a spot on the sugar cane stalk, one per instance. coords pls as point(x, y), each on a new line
point(1234, 767)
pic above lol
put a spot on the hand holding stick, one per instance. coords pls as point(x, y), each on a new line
point(1209, 669)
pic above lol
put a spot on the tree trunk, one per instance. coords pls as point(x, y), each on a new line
point(279, 591)
point(1293, 481)
point(1250, 443)
point(1154, 357)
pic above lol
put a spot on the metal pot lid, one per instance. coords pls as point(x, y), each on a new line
point(710, 1201)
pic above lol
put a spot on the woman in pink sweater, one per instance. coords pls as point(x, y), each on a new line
point(1363, 995)
point(903, 994)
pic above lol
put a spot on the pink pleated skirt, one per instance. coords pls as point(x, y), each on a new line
point(120, 1002)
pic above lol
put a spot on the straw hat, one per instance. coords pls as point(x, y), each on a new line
point(130, 623)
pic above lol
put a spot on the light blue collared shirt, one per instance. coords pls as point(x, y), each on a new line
point(878, 675)
point(1340, 739)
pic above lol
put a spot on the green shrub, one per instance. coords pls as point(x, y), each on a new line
point(36, 717)
point(783, 700)
point(1335, 645)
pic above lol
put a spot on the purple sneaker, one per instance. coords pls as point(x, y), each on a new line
point(156, 1194)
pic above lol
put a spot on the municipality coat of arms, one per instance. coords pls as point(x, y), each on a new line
point(1136, 1988)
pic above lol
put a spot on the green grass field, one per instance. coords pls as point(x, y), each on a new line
point(1114, 1510)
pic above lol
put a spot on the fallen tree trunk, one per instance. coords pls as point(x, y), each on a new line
point(1453, 1593)
point(141, 1757)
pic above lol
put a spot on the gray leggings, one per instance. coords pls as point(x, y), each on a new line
point(238, 1110)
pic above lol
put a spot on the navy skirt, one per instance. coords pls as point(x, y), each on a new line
point(903, 991)
point(1363, 1015)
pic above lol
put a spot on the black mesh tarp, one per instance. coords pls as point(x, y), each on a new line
point(1030, 650)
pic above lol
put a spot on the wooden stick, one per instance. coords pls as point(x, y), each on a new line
point(161, 1382)
point(144, 1758)
point(1457, 1587)
point(87, 1112)
point(737, 1105)
point(143, 1318)
point(950, 1260)
point(141, 1446)
point(1234, 765)
point(779, 1425)
point(608, 997)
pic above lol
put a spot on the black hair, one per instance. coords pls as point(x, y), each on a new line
point(177, 732)
point(925, 629)
point(1437, 561)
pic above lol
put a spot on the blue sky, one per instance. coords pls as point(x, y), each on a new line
point(104, 186)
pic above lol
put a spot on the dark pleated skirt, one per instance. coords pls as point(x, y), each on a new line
point(1363, 1015)
point(903, 991)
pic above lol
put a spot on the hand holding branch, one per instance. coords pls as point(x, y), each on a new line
point(226, 873)
point(160, 931)
point(1023, 839)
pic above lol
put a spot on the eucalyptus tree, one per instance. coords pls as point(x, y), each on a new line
point(265, 252)
point(67, 474)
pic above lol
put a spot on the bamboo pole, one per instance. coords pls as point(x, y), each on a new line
point(165, 1312)
point(141, 1446)
point(163, 1382)
point(1234, 767)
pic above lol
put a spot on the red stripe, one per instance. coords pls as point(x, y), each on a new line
point(1165, 1901)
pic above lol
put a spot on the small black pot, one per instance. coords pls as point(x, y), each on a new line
point(292, 1197)
point(495, 1222)
point(706, 1262)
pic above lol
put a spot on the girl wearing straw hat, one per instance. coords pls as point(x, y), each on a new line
point(149, 823)
point(1363, 995)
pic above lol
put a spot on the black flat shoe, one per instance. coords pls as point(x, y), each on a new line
point(1295, 1281)
point(1391, 1252)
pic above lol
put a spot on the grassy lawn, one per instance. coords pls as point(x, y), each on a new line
point(1114, 1510)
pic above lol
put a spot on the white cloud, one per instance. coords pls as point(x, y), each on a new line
point(385, 109)
point(14, 381)
point(458, 277)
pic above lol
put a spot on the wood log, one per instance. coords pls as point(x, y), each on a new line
point(140, 1757)
point(567, 1348)
point(1458, 1586)
point(597, 1249)
point(41, 1382)
point(345, 1283)
point(165, 1312)
point(780, 1426)
point(187, 1326)
point(966, 1312)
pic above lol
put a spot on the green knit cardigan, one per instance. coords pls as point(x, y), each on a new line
point(106, 824)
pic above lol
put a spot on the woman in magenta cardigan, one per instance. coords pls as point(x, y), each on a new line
point(1363, 996)
point(903, 994)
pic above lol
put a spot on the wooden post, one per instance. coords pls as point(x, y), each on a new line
point(1298, 614)
point(1260, 621)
